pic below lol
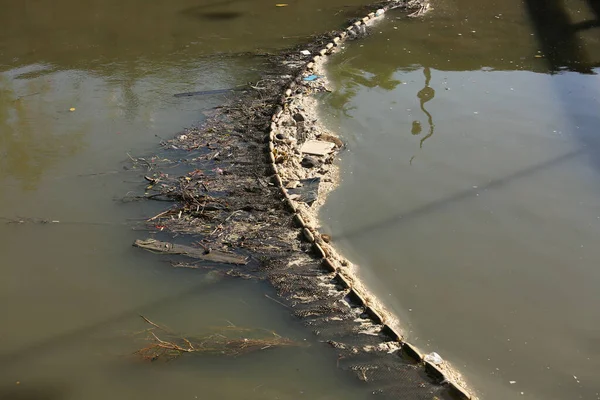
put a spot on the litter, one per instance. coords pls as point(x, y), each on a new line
point(379, 12)
point(311, 78)
point(307, 192)
point(305, 53)
point(310, 162)
point(434, 358)
point(317, 147)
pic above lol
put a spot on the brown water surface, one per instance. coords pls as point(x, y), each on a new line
point(470, 193)
point(82, 84)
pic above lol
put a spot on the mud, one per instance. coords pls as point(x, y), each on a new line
point(231, 188)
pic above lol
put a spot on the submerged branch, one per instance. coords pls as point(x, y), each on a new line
point(228, 341)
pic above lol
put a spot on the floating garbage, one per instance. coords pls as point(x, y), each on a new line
point(379, 12)
point(311, 78)
point(305, 53)
point(434, 358)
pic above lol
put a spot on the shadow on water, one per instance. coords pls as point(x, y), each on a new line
point(558, 37)
point(197, 10)
point(221, 15)
point(436, 205)
point(68, 338)
point(564, 52)
point(595, 7)
point(45, 392)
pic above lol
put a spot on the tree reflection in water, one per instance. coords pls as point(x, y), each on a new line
point(425, 95)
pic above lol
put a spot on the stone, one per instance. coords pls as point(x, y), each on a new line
point(277, 180)
point(331, 139)
point(310, 162)
point(290, 205)
point(298, 221)
point(299, 117)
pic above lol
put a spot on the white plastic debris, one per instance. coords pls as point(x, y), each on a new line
point(317, 147)
point(379, 12)
point(434, 358)
point(305, 53)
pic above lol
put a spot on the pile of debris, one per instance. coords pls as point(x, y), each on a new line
point(257, 171)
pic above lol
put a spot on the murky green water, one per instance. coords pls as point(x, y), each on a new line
point(471, 185)
point(71, 291)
